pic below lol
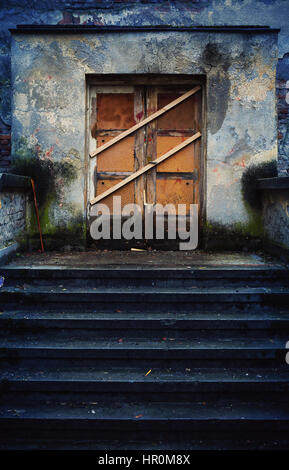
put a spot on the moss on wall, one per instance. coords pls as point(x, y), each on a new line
point(46, 173)
point(29, 161)
point(237, 237)
point(249, 182)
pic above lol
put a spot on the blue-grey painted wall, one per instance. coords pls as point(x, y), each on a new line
point(242, 127)
point(274, 13)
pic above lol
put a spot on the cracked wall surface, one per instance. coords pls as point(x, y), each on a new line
point(48, 76)
point(149, 12)
point(12, 216)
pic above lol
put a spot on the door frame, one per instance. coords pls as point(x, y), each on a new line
point(128, 80)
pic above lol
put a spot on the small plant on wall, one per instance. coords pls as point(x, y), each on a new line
point(250, 178)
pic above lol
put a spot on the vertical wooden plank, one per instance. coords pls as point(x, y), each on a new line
point(151, 144)
point(197, 147)
point(140, 145)
point(93, 127)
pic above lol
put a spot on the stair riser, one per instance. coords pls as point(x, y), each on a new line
point(164, 425)
point(147, 297)
point(156, 440)
point(140, 275)
point(115, 355)
point(167, 305)
point(171, 391)
point(125, 283)
point(275, 360)
point(92, 399)
point(191, 444)
point(233, 309)
point(120, 336)
point(144, 326)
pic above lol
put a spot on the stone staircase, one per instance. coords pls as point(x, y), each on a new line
point(144, 358)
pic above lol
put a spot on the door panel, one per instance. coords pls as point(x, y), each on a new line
point(116, 158)
point(174, 127)
point(182, 116)
point(126, 193)
point(176, 180)
point(115, 110)
point(182, 161)
point(175, 191)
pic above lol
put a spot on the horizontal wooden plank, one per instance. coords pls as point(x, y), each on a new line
point(145, 121)
point(145, 168)
point(185, 175)
point(112, 174)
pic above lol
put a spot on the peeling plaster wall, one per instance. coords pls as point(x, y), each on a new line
point(48, 75)
point(149, 12)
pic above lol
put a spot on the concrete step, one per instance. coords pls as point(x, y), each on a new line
point(146, 277)
point(152, 443)
point(209, 347)
point(148, 299)
point(30, 320)
point(144, 416)
point(135, 334)
point(125, 356)
point(141, 381)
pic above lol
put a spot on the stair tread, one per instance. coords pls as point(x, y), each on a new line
point(150, 444)
point(86, 374)
point(49, 341)
point(220, 410)
point(145, 316)
point(145, 290)
point(121, 268)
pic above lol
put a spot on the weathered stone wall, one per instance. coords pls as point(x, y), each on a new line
point(276, 215)
point(48, 74)
point(149, 12)
point(12, 216)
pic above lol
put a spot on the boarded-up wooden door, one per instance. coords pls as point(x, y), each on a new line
point(174, 181)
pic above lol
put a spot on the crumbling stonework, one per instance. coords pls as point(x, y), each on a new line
point(49, 102)
point(49, 88)
point(276, 216)
point(12, 216)
point(150, 12)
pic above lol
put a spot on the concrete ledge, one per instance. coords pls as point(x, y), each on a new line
point(278, 251)
point(274, 183)
point(7, 252)
point(38, 28)
point(9, 181)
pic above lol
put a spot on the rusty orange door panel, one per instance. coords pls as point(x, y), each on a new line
point(126, 193)
point(174, 181)
point(182, 161)
point(177, 179)
point(115, 110)
point(175, 191)
point(119, 158)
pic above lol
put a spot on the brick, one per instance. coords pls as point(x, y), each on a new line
point(5, 137)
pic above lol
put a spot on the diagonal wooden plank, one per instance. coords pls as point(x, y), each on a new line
point(144, 169)
point(140, 124)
